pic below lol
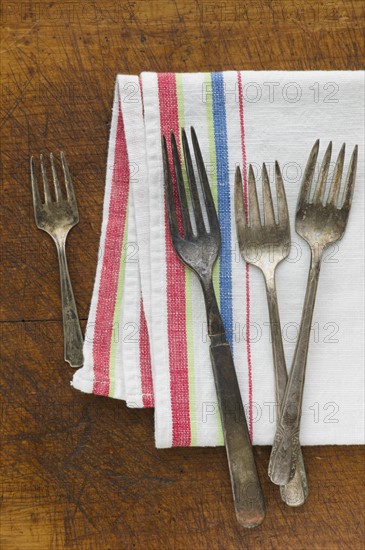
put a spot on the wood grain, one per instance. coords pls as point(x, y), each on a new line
point(78, 471)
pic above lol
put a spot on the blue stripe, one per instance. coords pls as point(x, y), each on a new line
point(224, 203)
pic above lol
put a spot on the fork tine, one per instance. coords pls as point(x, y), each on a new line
point(68, 181)
point(337, 176)
point(239, 206)
point(308, 176)
point(350, 181)
point(56, 183)
point(35, 191)
point(322, 179)
point(269, 216)
point(174, 228)
point(47, 193)
point(209, 201)
point(253, 202)
point(181, 188)
point(194, 195)
point(283, 214)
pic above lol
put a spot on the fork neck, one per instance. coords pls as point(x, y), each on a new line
point(269, 276)
point(216, 328)
point(316, 254)
point(60, 239)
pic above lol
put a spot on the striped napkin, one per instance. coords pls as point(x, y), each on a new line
point(146, 340)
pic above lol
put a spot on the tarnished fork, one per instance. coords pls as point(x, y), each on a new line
point(265, 245)
point(56, 216)
point(199, 250)
point(320, 222)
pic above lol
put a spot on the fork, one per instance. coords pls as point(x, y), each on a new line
point(56, 216)
point(271, 241)
point(199, 249)
point(320, 222)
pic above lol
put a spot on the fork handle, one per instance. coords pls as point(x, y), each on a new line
point(247, 494)
point(295, 492)
point(286, 446)
point(73, 342)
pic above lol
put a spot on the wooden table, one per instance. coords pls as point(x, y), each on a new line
point(79, 471)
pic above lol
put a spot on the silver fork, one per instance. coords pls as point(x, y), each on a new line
point(320, 223)
point(271, 243)
point(56, 217)
point(199, 251)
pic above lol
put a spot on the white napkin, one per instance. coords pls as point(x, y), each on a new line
point(240, 118)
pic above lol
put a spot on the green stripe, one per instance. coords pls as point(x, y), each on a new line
point(188, 294)
point(118, 304)
point(212, 176)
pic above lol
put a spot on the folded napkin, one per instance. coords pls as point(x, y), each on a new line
point(146, 340)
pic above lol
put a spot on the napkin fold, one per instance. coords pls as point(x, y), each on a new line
point(146, 340)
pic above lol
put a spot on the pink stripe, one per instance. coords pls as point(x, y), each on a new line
point(145, 361)
point(141, 90)
point(248, 300)
point(111, 262)
point(175, 272)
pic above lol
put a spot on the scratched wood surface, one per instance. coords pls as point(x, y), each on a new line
point(78, 471)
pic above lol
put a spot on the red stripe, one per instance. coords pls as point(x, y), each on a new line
point(141, 90)
point(145, 361)
point(111, 262)
point(248, 311)
point(175, 273)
